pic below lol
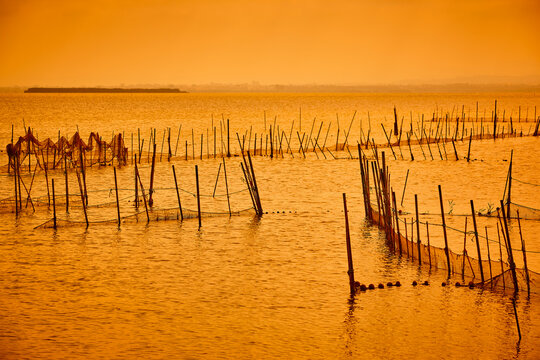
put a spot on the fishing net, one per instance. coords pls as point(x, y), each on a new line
point(74, 151)
point(496, 273)
point(141, 216)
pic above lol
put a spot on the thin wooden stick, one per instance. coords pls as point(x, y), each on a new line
point(226, 185)
point(524, 256)
point(54, 204)
point(178, 194)
point(350, 271)
point(444, 231)
point(217, 178)
point(198, 195)
point(117, 200)
point(477, 242)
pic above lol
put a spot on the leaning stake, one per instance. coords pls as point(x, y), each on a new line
point(348, 240)
point(117, 200)
point(177, 194)
point(444, 232)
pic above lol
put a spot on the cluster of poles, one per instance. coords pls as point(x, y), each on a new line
point(274, 141)
point(387, 216)
point(80, 169)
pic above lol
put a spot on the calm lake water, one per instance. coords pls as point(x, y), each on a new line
point(269, 287)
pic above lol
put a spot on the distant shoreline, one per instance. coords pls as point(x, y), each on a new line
point(100, 90)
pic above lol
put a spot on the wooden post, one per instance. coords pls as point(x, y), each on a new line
point(516, 316)
point(143, 194)
point(162, 143)
point(417, 229)
point(464, 250)
point(256, 188)
point(404, 187)
point(217, 178)
point(455, 151)
point(524, 256)
point(198, 195)
point(177, 194)
point(509, 185)
point(169, 142)
point(151, 190)
point(54, 204)
point(428, 244)
point(444, 231)
point(250, 188)
point(477, 242)
point(495, 121)
point(350, 271)
point(136, 185)
point(489, 259)
point(509, 249)
point(228, 140)
point(16, 182)
point(117, 200)
point(83, 201)
point(66, 177)
point(500, 255)
point(226, 185)
point(397, 222)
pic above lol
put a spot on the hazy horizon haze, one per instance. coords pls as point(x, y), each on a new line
point(75, 43)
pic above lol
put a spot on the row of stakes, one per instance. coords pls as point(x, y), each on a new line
point(363, 287)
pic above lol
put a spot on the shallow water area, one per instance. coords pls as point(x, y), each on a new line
point(249, 287)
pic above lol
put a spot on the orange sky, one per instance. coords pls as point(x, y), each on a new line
point(106, 42)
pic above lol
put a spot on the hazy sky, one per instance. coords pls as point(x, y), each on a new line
point(107, 42)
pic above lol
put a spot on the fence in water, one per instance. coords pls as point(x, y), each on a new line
point(134, 204)
point(274, 141)
point(412, 239)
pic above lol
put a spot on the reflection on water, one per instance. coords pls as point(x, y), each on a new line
point(244, 287)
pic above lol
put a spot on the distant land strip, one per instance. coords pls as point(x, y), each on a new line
point(100, 90)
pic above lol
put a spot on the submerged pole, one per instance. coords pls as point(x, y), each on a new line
point(350, 271)
point(198, 195)
point(54, 204)
point(477, 242)
point(117, 200)
point(177, 194)
point(444, 232)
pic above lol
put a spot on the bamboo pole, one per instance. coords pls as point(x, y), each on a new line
point(477, 242)
point(152, 171)
point(16, 182)
point(350, 271)
point(143, 195)
point(136, 185)
point(428, 244)
point(524, 256)
point(500, 256)
point(397, 222)
point(67, 188)
point(509, 249)
point(54, 204)
point(198, 196)
point(509, 184)
point(404, 187)
point(228, 140)
point(464, 251)
point(444, 231)
point(226, 185)
point(117, 200)
point(516, 316)
point(82, 198)
point(418, 229)
point(256, 188)
point(217, 178)
point(177, 194)
point(489, 259)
